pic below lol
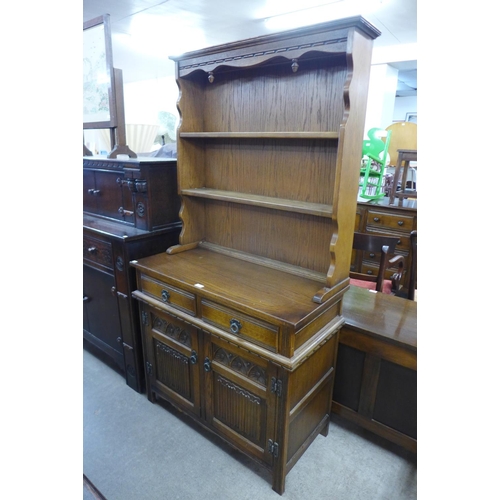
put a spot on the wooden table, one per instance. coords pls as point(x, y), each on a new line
point(376, 379)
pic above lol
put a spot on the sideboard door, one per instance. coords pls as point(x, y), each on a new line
point(172, 360)
point(100, 312)
point(240, 404)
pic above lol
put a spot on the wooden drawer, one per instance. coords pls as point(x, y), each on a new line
point(98, 251)
point(170, 295)
point(373, 270)
point(256, 331)
point(397, 222)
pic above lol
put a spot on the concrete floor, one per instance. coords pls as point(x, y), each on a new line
point(135, 450)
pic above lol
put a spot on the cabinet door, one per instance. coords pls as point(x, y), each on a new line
point(240, 404)
point(101, 317)
point(172, 360)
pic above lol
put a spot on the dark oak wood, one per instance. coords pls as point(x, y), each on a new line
point(380, 218)
point(111, 239)
point(384, 247)
point(240, 321)
point(376, 380)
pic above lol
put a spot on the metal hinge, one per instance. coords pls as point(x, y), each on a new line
point(145, 318)
point(149, 368)
point(276, 386)
point(273, 448)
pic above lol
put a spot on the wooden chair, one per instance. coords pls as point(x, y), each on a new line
point(385, 246)
point(412, 280)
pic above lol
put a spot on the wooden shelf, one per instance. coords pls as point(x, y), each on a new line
point(303, 207)
point(260, 135)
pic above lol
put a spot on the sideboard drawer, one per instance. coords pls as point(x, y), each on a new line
point(389, 221)
point(98, 251)
point(168, 294)
point(243, 326)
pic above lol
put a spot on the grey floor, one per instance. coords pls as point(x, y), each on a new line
point(135, 450)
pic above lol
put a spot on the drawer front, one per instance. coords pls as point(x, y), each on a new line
point(372, 270)
point(169, 295)
point(251, 329)
point(397, 222)
point(98, 251)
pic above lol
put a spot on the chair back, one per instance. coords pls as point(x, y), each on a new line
point(385, 246)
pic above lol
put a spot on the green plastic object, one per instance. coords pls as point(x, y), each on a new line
point(373, 162)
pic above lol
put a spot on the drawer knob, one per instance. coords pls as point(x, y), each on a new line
point(94, 192)
point(372, 255)
point(235, 326)
point(376, 219)
point(92, 250)
point(369, 272)
point(400, 222)
point(165, 295)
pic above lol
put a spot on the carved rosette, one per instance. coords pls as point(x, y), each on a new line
point(241, 365)
point(141, 209)
point(173, 331)
point(119, 263)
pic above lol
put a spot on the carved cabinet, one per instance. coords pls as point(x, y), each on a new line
point(240, 320)
point(118, 202)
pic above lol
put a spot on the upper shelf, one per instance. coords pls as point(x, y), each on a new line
point(259, 135)
point(316, 209)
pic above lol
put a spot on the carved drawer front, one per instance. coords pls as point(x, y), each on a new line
point(98, 251)
point(397, 222)
point(169, 295)
point(243, 326)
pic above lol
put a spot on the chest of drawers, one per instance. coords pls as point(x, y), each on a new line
point(130, 210)
point(381, 218)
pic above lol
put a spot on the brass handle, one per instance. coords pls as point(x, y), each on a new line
point(207, 366)
point(234, 326)
point(122, 211)
point(94, 192)
point(400, 222)
point(165, 295)
point(194, 357)
point(376, 219)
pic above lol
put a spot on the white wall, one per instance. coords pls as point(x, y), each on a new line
point(403, 105)
point(381, 95)
point(144, 99)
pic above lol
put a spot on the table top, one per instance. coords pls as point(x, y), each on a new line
point(381, 315)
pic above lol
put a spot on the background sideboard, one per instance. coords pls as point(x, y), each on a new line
point(130, 211)
point(378, 217)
